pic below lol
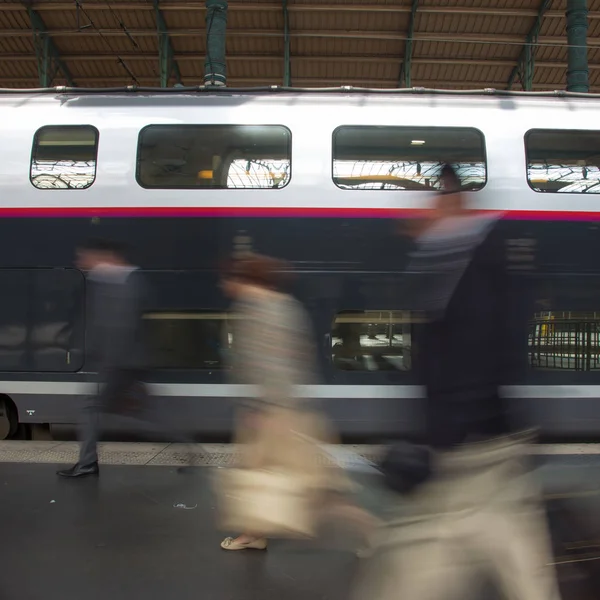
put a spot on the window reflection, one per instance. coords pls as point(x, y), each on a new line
point(189, 340)
point(372, 340)
point(406, 158)
point(565, 340)
point(64, 157)
point(214, 156)
point(563, 161)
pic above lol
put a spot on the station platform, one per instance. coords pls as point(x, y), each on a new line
point(144, 529)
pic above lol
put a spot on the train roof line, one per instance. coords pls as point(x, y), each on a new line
point(276, 89)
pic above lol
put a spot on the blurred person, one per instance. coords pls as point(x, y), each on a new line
point(115, 348)
point(470, 502)
point(273, 350)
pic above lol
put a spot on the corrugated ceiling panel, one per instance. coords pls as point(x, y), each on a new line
point(554, 27)
point(18, 69)
point(85, 43)
point(16, 45)
point(557, 77)
point(349, 21)
point(595, 77)
point(236, 19)
point(363, 2)
point(333, 69)
point(10, 19)
point(255, 19)
point(345, 47)
point(190, 44)
point(236, 45)
point(461, 72)
point(254, 45)
point(523, 4)
point(593, 29)
point(551, 54)
point(193, 69)
point(256, 69)
point(100, 19)
point(192, 19)
point(391, 23)
point(139, 68)
point(479, 24)
point(466, 50)
point(9, 82)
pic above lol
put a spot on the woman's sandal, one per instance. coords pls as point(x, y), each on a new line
point(230, 544)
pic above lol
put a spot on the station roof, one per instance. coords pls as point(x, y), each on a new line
point(460, 44)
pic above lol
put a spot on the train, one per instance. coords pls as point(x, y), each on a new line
point(320, 178)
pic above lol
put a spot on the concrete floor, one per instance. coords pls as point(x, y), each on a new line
point(149, 532)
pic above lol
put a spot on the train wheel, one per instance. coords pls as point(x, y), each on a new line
point(10, 428)
point(9, 420)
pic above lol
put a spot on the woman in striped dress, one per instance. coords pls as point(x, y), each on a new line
point(273, 350)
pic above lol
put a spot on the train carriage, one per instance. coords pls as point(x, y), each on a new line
point(322, 179)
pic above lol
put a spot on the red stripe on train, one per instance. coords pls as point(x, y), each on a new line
point(277, 212)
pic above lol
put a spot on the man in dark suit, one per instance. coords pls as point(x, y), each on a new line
point(115, 348)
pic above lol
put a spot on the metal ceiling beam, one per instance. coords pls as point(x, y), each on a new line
point(287, 67)
point(389, 60)
point(300, 82)
point(196, 6)
point(408, 47)
point(166, 54)
point(526, 63)
point(470, 38)
point(48, 58)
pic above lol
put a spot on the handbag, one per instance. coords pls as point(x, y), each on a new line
point(272, 503)
point(406, 466)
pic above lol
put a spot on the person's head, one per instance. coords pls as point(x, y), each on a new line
point(449, 180)
point(96, 251)
point(253, 271)
point(450, 202)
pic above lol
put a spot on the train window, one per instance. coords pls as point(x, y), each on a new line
point(64, 157)
point(42, 320)
point(406, 158)
point(563, 161)
point(188, 340)
point(564, 341)
point(214, 156)
point(372, 340)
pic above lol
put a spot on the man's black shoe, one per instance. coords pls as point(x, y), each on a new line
point(80, 471)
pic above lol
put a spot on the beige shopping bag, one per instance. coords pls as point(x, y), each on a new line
point(272, 503)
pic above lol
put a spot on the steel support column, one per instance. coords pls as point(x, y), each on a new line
point(577, 24)
point(526, 63)
point(166, 55)
point(287, 67)
point(215, 72)
point(405, 71)
point(48, 58)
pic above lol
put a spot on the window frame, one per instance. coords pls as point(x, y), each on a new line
point(422, 128)
point(550, 130)
point(34, 145)
point(214, 189)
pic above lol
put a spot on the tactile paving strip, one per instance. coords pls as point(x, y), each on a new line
point(126, 453)
point(207, 455)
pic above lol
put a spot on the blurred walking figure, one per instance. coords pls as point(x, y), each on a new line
point(470, 502)
point(280, 484)
point(115, 348)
